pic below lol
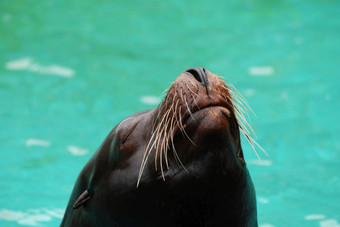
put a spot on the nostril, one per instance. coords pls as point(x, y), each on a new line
point(199, 75)
point(195, 74)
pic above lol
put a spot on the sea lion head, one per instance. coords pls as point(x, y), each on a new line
point(199, 120)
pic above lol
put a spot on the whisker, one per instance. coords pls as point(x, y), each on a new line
point(191, 90)
point(242, 120)
point(241, 107)
point(195, 103)
point(149, 148)
point(172, 138)
point(186, 103)
point(165, 144)
point(238, 96)
point(145, 157)
point(161, 165)
point(182, 128)
point(160, 135)
point(251, 144)
point(258, 145)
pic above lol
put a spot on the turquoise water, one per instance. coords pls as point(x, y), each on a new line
point(71, 70)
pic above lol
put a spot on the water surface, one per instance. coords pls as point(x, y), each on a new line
point(71, 70)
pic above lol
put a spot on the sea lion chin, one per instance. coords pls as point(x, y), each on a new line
point(180, 164)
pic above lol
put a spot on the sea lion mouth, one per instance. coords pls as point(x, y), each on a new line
point(191, 115)
point(194, 91)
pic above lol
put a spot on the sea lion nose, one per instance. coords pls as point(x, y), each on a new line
point(199, 74)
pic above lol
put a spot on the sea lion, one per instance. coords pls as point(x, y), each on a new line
point(180, 164)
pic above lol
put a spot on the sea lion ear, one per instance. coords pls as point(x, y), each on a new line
point(83, 198)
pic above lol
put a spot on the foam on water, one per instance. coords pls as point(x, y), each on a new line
point(32, 217)
point(77, 151)
point(329, 223)
point(262, 200)
point(266, 225)
point(261, 70)
point(258, 162)
point(29, 65)
point(315, 217)
point(249, 92)
point(6, 17)
point(37, 142)
point(150, 100)
point(323, 223)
